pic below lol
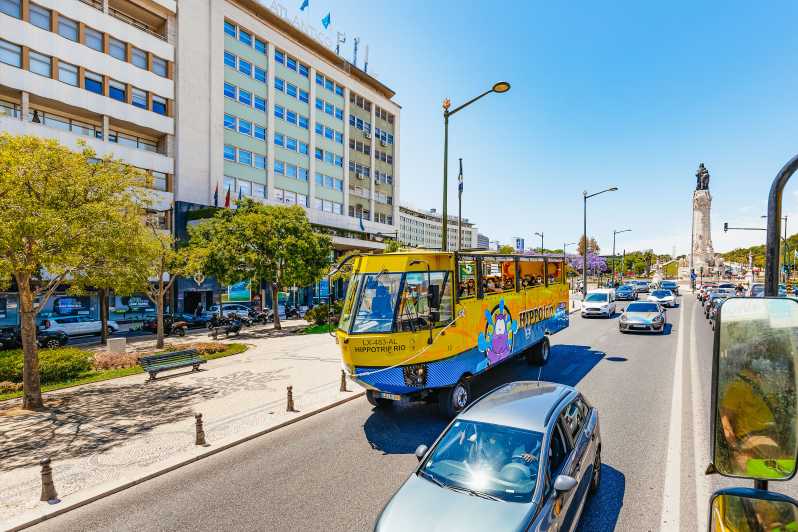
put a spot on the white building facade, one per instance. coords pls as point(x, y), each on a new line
point(423, 228)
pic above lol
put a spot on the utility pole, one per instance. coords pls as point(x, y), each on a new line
point(460, 207)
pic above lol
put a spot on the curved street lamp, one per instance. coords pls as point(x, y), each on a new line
point(616, 232)
point(585, 197)
point(541, 241)
point(499, 88)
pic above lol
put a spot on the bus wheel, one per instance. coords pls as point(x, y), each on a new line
point(452, 401)
point(378, 402)
point(538, 355)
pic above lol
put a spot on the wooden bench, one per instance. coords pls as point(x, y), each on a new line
point(153, 364)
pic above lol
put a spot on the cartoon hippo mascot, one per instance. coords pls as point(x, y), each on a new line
point(497, 340)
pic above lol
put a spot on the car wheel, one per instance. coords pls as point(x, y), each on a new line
point(378, 402)
point(538, 354)
point(52, 343)
point(596, 480)
point(452, 401)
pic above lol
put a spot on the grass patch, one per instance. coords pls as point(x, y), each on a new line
point(318, 329)
point(107, 374)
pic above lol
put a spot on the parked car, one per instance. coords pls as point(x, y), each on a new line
point(10, 337)
point(191, 321)
point(756, 290)
point(643, 316)
point(525, 456)
point(663, 297)
point(625, 292)
point(599, 302)
point(673, 286)
point(718, 293)
point(231, 308)
point(714, 308)
point(78, 325)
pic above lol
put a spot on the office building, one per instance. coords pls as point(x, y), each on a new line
point(422, 229)
point(519, 244)
point(483, 241)
point(281, 118)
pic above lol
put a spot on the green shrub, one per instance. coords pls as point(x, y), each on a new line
point(55, 365)
point(320, 314)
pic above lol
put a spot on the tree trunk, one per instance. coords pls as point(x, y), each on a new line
point(276, 306)
point(159, 314)
point(31, 384)
point(103, 293)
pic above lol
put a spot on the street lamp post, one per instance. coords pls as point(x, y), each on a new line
point(615, 232)
point(585, 197)
point(564, 261)
point(498, 88)
point(541, 241)
point(784, 253)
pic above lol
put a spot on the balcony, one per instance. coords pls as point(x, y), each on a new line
point(133, 15)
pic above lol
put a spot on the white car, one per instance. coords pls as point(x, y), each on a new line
point(230, 308)
point(663, 297)
point(599, 303)
point(77, 325)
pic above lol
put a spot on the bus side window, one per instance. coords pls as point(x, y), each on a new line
point(466, 278)
point(531, 272)
point(554, 271)
point(498, 275)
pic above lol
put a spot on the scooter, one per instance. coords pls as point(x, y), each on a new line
point(228, 325)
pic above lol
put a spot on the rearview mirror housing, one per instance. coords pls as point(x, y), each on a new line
point(754, 384)
point(564, 483)
point(421, 451)
point(738, 508)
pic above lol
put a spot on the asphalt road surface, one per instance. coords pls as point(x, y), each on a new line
point(336, 470)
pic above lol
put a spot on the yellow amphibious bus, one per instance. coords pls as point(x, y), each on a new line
point(419, 325)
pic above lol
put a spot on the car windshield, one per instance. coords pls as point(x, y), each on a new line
point(596, 297)
point(625, 288)
point(668, 283)
point(642, 307)
point(758, 290)
point(487, 458)
point(661, 293)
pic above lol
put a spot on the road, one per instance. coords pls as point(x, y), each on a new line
point(336, 470)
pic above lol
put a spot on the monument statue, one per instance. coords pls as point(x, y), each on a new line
point(702, 255)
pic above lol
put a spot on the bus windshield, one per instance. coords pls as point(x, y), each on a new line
point(378, 297)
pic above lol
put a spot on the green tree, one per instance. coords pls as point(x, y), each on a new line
point(275, 245)
point(506, 250)
point(392, 246)
point(57, 207)
point(592, 246)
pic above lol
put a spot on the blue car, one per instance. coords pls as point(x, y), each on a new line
point(524, 457)
point(626, 293)
point(673, 286)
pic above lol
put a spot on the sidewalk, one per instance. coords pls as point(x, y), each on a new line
point(105, 435)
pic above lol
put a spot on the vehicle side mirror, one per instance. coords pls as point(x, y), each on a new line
point(564, 483)
point(421, 451)
point(751, 509)
point(754, 383)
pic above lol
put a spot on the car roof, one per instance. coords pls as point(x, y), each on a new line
point(523, 404)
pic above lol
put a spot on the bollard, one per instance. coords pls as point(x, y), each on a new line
point(200, 439)
point(48, 488)
point(343, 381)
point(289, 406)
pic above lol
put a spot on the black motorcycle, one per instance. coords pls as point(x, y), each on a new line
point(229, 325)
point(259, 316)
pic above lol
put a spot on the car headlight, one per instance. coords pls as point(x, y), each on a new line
point(657, 319)
point(623, 318)
point(604, 307)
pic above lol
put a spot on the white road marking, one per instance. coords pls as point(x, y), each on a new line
point(669, 517)
point(700, 428)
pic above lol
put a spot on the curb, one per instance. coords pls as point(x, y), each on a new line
point(206, 454)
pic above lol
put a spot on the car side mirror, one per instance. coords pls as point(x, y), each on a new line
point(740, 508)
point(421, 451)
point(564, 483)
point(754, 382)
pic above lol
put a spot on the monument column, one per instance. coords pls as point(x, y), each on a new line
point(701, 252)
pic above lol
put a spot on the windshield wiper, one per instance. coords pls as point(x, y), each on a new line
point(474, 492)
point(432, 479)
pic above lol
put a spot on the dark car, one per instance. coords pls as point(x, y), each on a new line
point(626, 293)
point(673, 286)
point(199, 321)
point(10, 337)
point(523, 457)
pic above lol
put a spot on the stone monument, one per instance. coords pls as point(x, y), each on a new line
point(702, 255)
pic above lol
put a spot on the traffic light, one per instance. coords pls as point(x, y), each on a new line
point(725, 227)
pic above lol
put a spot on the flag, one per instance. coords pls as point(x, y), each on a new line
point(227, 199)
point(362, 228)
point(216, 196)
point(239, 194)
point(460, 178)
point(305, 3)
point(326, 21)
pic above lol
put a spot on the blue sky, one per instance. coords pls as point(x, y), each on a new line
point(630, 94)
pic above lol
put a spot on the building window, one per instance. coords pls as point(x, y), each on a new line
point(230, 29)
point(159, 180)
point(319, 128)
point(11, 7)
point(229, 121)
point(245, 157)
point(319, 104)
point(279, 167)
point(303, 96)
point(245, 67)
point(159, 66)
point(279, 111)
point(290, 117)
point(117, 49)
point(39, 64)
point(68, 28)
point(10, 54)
point(138, 57)
point(303, 70)
point(328, 84)
point(303, 147)
point(159, 105)
point(244, 188)
point(260, 74)
point(290, 170)
point(37, 15)
point(93, 39)
point(339, 90)
point(68, 73)
point(279, 57)
point(319, 79)
point(260, 132)
point(290, 89)
point(229, 183)
point(303, 122)
point(260, 46)
point(260, 161)
point(117, 91)
point(245, 37)
point(139, 98)
point(339, 113)
point(258, 190)
point(93, 82)
point(328, 108)
point(229, 153)
point(290, 143)
point(260, 103)
point(229, 59)
point(245, 127)
point(230, 90)
point(279, 84)
point(279, 139)
point(291, 63)
point(244, 97)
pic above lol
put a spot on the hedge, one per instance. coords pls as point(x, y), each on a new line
point(55, 365)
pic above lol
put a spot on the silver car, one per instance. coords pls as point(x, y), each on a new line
point(647, 316)
point(523, 457)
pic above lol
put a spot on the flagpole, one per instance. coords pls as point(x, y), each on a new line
point(460, 208)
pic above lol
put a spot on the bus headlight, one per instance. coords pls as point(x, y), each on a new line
point(415, 375)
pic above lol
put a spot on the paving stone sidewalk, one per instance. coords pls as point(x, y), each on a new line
point(103, 435)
